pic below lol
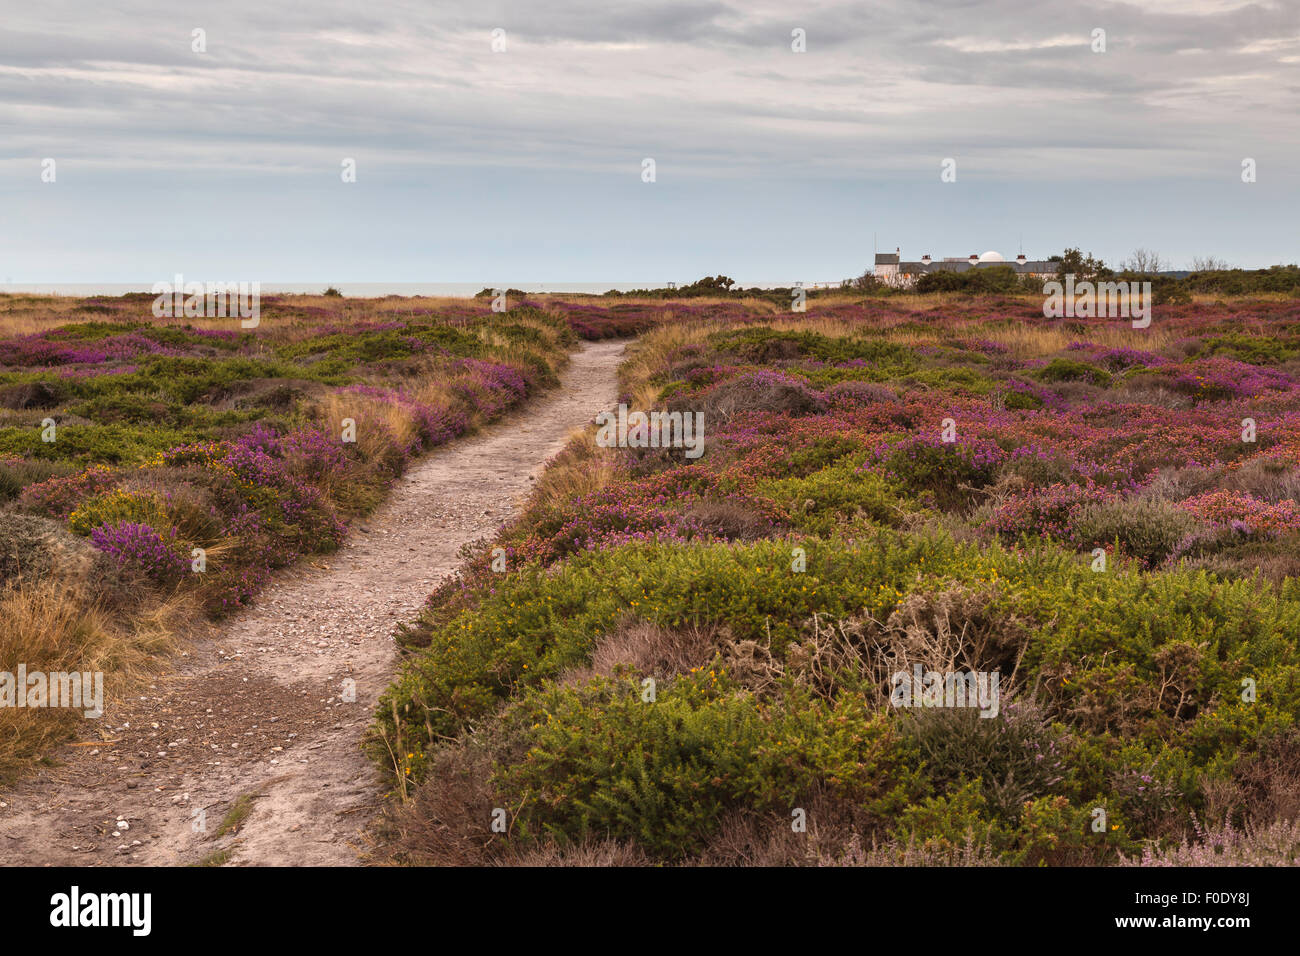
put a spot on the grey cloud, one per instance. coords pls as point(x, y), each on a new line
point(881, 83)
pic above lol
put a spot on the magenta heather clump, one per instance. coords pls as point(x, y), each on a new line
point(435, 425)
point(312, 452)
point(59, 497)
point(1050, 511)
point(141, 547)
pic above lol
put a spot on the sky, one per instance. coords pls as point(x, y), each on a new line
point(526, 163)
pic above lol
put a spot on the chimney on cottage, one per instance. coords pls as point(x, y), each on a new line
point(974, 258)
point(1020, 259)
point(925, 259)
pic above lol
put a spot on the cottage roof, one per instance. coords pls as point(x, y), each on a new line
point(1036, 266)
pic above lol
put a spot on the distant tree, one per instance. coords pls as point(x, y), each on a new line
point(1209, 264)
point(867, 282)
point(1142, 260)
point(717, 282)
point(333, 292)
point(992, 279)
point(1074, 262)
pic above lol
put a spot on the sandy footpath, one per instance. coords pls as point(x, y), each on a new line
point(255, 708)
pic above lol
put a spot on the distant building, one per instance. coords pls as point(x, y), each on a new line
point(891, 270)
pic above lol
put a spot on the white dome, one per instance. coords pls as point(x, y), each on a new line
point(992, 256)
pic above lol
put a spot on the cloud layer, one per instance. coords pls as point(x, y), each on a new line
point(552, 132)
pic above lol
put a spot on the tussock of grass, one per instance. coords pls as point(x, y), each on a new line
point(236, 815)
point(55, 626)
point(581, 468)
point(216, 858)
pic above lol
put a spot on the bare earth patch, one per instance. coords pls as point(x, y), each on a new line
point(255, 706)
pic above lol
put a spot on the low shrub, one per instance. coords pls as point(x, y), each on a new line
point(113, 507)
point(1144, 529)
point(158, 556)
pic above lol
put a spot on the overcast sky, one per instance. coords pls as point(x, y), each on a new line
point(526, 165)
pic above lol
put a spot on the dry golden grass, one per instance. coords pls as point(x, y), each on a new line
point(45, 632)
point(649, 356)
point(27, 314)
point(1031, 341)
point(380, 426)
point(580, 469)
point(54, 626)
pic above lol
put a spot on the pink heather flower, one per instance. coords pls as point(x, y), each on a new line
point(1245, 513)
point(139, 546)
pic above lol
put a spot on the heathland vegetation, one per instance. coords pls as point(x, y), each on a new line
point(666, 659)
point(679, 659)
point(157, 473)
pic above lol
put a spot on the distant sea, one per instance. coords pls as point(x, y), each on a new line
point(364, 290)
